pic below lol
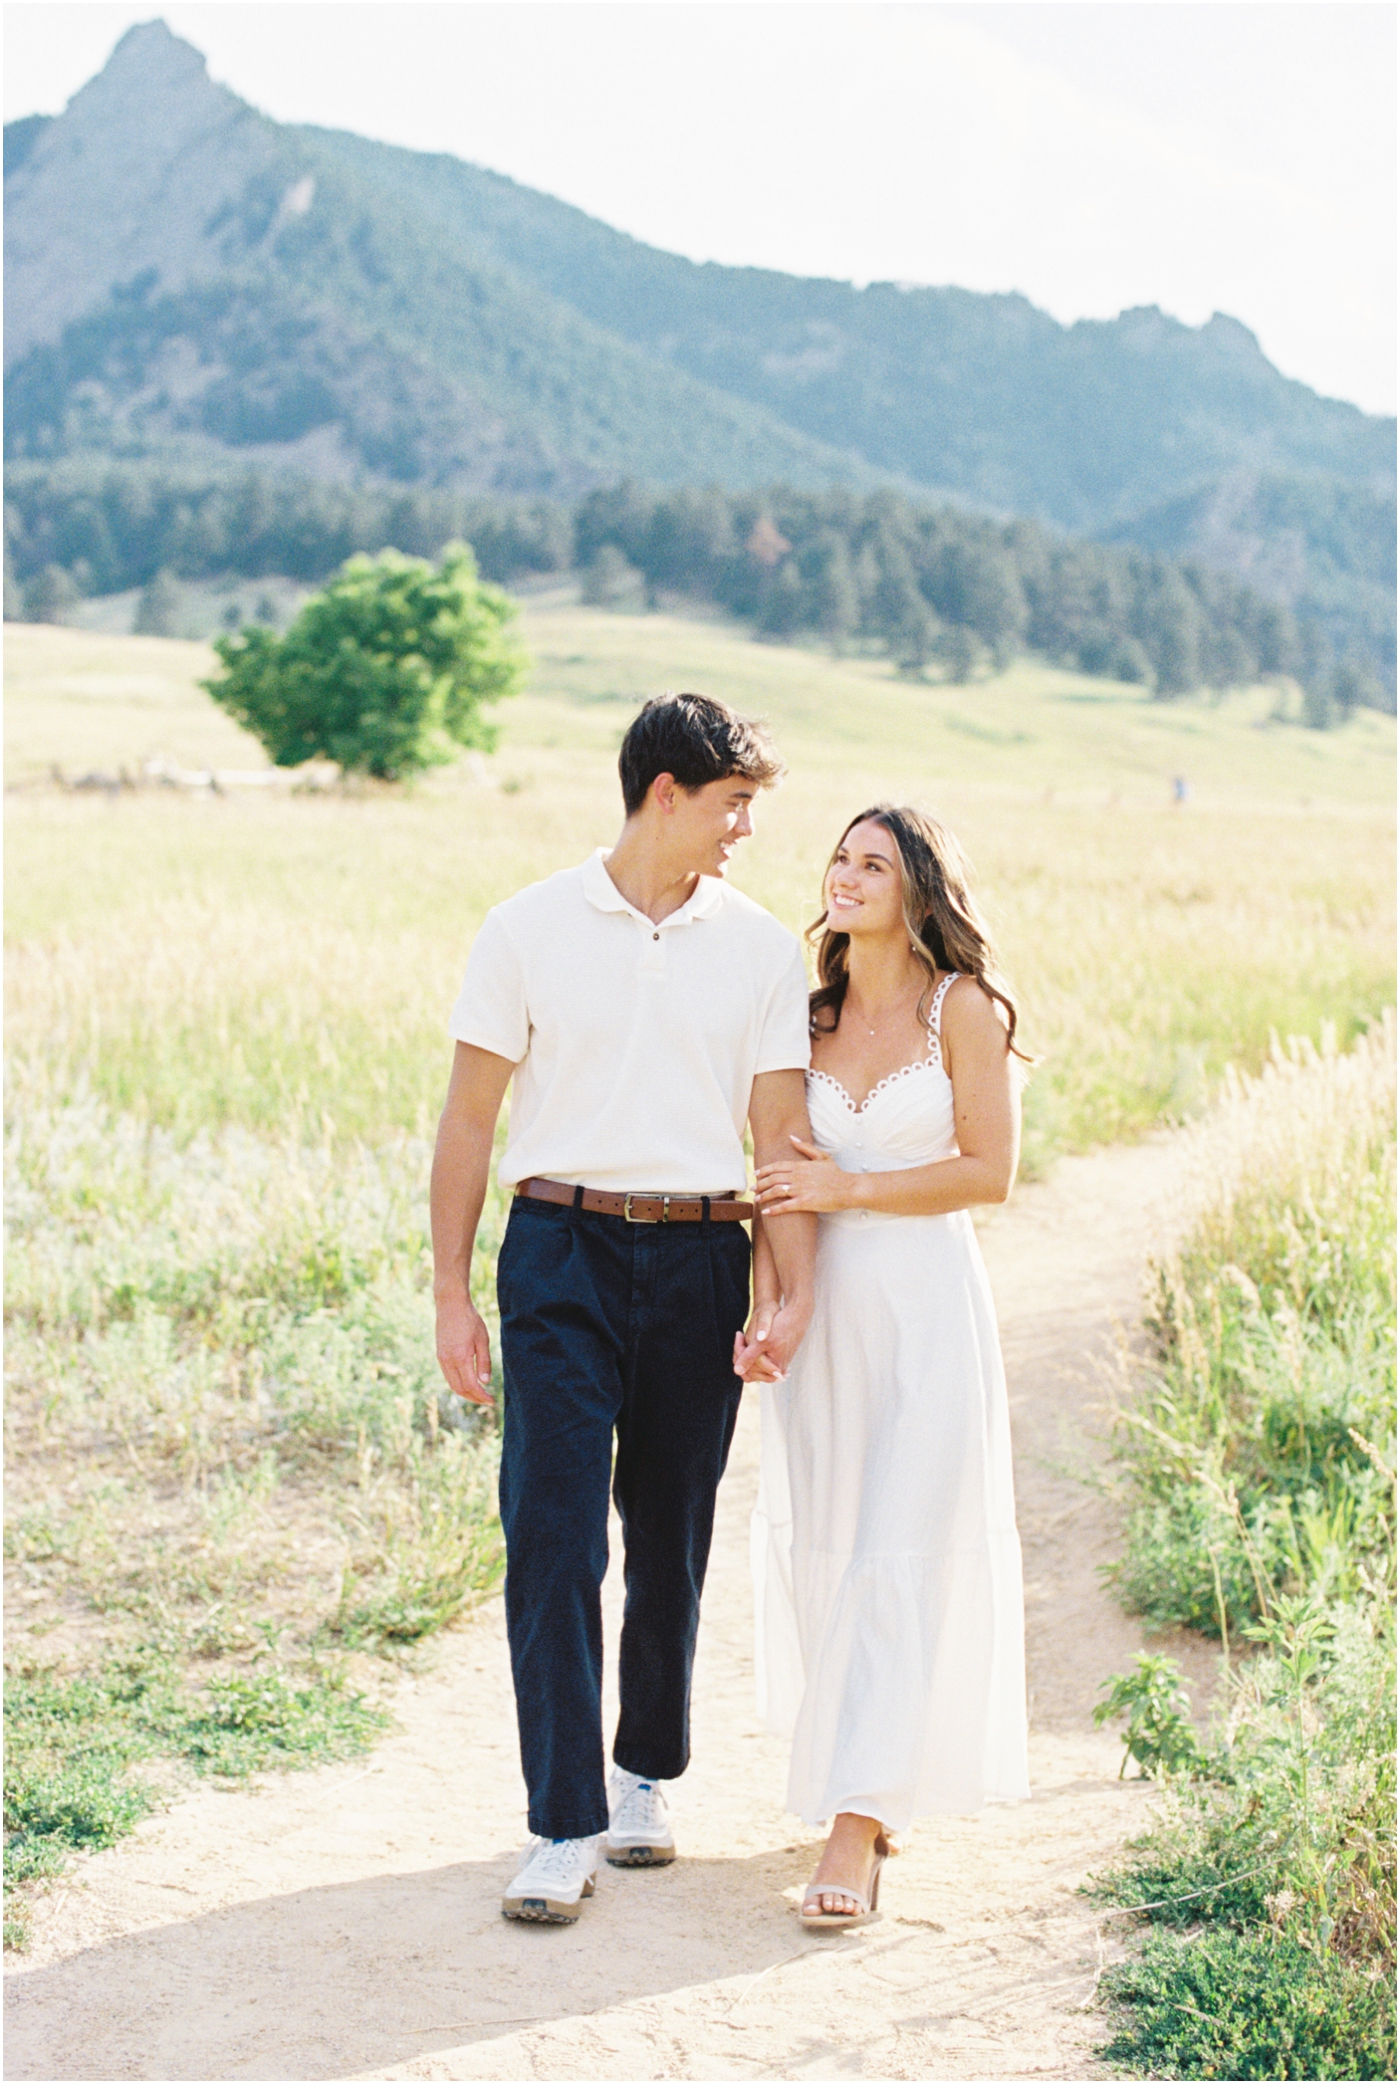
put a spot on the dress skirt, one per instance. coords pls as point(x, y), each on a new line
point(886, 1560)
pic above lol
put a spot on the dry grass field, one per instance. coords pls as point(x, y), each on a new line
point(287, 962)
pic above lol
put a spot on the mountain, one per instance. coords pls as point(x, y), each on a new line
point(186, 277)
point(982, 396)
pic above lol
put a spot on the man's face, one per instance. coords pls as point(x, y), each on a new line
point(709, 822)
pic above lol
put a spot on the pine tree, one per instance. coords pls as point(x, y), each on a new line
point(159, 609)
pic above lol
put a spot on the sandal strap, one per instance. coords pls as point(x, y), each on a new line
point(828, 1888)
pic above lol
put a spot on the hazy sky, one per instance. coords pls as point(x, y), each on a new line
point(1233, 155)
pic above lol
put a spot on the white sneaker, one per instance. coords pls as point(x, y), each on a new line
point(550, 1887)
point(639, 1828)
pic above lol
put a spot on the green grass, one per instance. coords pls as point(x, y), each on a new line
point(227, 1430)
point(1257, 1449)
point(1257, 1454)
point(74, 1746)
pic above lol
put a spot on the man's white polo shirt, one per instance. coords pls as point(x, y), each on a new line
point(635, 1045)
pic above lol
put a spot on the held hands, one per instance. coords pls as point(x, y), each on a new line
point(773, 1334)
point(464, 1349)
point(809, 1184)
point(751, 1362)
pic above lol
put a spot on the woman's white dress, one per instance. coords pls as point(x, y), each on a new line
point(886, 1561)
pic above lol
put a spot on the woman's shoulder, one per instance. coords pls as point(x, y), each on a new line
point(967, 1012)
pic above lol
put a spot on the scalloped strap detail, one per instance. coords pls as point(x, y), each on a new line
point(935, 1011)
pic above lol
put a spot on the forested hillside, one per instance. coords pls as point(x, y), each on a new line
point(1324, 547)
point(942, 591)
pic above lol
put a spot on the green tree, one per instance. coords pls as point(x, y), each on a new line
point(158, 610)
point(49, 595)
point(899, 613)
point(385, 672)
point(14, 592)
point(784, 610)
point(956, 650)
point(609, 581)
point(1171, 633)
point(835, 596)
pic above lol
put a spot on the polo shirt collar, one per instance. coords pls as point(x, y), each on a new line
point(600, 890)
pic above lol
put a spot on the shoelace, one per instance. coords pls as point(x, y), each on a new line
point(641, 1809)
point(555, 1859)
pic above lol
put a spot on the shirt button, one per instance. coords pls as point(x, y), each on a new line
point(656, 937)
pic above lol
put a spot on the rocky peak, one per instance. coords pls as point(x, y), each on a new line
point(124, 182)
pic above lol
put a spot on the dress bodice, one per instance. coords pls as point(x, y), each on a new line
point(905, 1120)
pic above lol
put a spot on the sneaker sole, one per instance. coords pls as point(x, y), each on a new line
point(544, 1910)
point(640, 1855)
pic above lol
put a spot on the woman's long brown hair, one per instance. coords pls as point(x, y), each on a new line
point(946, 931)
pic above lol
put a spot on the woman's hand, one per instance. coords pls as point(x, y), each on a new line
point(751, 1362)
point(808, 1184)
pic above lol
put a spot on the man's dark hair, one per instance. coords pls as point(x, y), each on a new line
point(697, 740)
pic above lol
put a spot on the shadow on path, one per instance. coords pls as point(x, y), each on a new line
point(362, 1975)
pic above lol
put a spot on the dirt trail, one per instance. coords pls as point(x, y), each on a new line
point(345, 1923)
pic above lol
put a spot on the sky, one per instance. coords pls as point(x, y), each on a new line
point(1202, 155)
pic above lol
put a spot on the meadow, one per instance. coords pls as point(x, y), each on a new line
point(287, 964)
point(236, 1487)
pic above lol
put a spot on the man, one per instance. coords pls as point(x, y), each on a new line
point(644, 1011)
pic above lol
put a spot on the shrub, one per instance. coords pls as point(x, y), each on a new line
point(1231, 2004)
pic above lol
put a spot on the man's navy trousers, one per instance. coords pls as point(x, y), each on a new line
point(627, 1329)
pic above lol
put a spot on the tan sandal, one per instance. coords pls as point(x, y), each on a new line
point(842, 1920)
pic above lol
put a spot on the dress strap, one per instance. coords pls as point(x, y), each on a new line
point(935, 1011)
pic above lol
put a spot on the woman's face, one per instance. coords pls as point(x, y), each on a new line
point(862, 891)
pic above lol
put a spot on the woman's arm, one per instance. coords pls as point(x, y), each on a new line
point(987, 1122)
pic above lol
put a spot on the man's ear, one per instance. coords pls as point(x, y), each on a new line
point(665, 790)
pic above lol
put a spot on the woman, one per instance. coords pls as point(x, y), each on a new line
point(886, 1557)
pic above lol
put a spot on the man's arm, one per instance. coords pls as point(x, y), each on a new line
point(778, 1112)
point(461, 1168)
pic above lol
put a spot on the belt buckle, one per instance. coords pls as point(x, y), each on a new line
point(664, 1217)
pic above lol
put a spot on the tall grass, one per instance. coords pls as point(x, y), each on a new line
point(1259, 1448)
point(1258, 1455)
point(285, 965)
point(233, 1461)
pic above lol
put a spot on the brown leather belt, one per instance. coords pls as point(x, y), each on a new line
point(639, 1208)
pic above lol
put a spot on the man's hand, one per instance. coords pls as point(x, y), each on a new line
point(461, 1164)
point(464, 1349)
